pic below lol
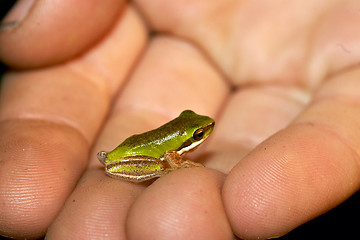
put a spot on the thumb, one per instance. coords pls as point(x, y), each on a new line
point(302, 171)
point(38, 33)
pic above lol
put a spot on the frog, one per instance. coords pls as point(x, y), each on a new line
point(155, 153)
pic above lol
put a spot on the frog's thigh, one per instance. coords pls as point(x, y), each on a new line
point(175, 161)
point(137, 169)
point(135, 178)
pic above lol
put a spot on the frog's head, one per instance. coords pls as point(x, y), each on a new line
point(197, 129)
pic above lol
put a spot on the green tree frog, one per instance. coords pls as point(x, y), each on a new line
point(155, 153)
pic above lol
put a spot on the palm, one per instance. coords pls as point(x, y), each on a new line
point(253, 68)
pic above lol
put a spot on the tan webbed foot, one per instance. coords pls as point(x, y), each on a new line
point(176, 161)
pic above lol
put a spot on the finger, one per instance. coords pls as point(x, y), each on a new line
point(95, 209)
point(170, 77)
point(170, 70)
point(50, 118)
point(302, 171)
point(40, 33)
point(198, 87)
point(249, 48)
point(185, 205)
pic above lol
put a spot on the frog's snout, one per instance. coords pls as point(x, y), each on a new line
point(102, 156)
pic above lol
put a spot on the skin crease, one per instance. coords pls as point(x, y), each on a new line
point(272, 76)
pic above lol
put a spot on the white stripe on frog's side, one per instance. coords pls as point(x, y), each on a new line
point(190, 147)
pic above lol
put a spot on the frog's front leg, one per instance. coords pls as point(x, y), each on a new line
point(176, 161)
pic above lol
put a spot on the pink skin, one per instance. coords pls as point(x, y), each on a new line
point(285, 145)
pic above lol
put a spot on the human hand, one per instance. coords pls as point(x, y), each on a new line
point(260, 68)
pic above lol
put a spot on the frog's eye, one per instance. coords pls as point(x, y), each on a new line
point(198, 134)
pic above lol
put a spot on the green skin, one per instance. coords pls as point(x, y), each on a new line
point(157, 152)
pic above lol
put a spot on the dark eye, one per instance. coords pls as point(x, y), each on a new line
point(198, 134)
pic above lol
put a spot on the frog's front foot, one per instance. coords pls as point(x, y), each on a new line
point(176, 161)
point(188, 164)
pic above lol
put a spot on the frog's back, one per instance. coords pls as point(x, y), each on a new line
point(168, 137)
point(153, 144)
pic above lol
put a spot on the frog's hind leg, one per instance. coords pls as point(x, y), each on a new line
point(176, 161)
point(137, 178)
point(137, 168)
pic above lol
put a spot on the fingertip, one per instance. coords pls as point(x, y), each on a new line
point(246, 204)
point(184, 203)
point(291, 178)
point(97, 208)
point(38, 171)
